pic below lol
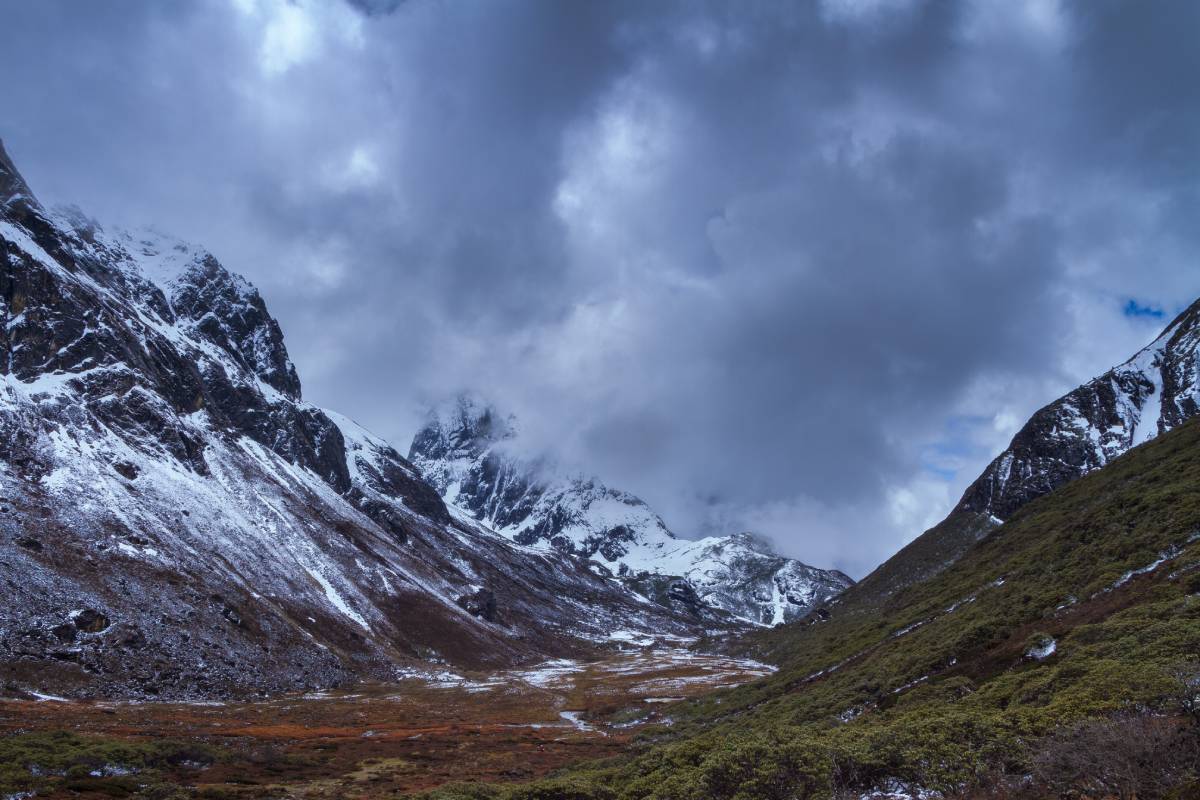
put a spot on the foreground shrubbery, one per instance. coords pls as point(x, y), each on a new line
point(1136, 756)
point(1132, 756)
point(41, 762)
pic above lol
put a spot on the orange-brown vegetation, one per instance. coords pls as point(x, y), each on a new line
point(379, 740)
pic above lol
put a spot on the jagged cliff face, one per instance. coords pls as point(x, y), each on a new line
point(175, 520)
point(1150, 394)
point(466, 451)
point(1155, 391)
point(462, 452)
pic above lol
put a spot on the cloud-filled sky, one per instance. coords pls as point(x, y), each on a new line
point(797, 267)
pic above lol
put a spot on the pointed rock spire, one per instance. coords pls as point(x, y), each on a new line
point(13, 189)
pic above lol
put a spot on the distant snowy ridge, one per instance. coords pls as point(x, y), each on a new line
point(465, 452)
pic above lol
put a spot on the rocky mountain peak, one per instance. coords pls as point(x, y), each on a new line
point(468, 452)
point(1153, 392)
point(463, 427)
point(1186, 324)
point(230, 313)
point(751, 541)
point(13, 189)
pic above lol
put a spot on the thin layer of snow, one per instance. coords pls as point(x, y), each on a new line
point(575, 718)
point(632, 637)
point(959, 604)
point(907, 629)
point(331, 594)
point(1043, 651)
point(48, 698)
point(1146, 416)
point(549, 673)
point(1169, 554)
point(161, 258)
point(899, 790)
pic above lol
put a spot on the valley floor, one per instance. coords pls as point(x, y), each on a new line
point(427, 730)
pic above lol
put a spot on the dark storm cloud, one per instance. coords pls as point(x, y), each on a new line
point(373, 7)
point(1137, 87)
point(795, 267)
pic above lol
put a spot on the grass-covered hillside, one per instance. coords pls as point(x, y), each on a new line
point(1056, 657)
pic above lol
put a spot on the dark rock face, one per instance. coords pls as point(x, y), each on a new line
point(176, 521)
point(1155, 391)
point(466, 451)
point(12, 186)
point(482, 604)
point(126, 469)
point(90, 621)
point(672, 592)
point(110, 342)
point(226, 311)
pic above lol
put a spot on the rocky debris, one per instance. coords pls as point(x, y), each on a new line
point(481, 603)
point(669, 591)
point(90, 621)
point(65, 632)
point(465, 452)
point(126, 469)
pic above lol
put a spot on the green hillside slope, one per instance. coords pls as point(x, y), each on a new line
point(1058, 649)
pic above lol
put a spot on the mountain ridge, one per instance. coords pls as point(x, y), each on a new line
point(176, 521)
point(466, 452)
point(1152, 392)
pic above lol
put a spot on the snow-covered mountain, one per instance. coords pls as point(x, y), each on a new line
point(175, 519)
point(467, 452)
point(1153, 392)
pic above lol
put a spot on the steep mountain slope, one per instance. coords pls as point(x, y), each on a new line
point(1153, 392)
point(1055, 658)
point(176, 520)
point(466, 452)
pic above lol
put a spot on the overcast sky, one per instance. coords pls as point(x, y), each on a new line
point(796, 267)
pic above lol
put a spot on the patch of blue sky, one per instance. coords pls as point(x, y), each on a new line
point(1135, 309)
point(958, 446)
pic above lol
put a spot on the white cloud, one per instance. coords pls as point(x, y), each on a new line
point(294, 32)
point(1042, 22)
point(289, 38)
